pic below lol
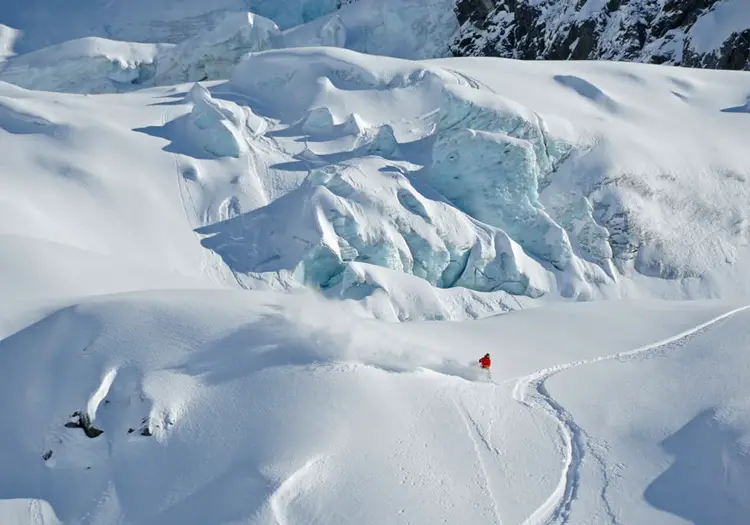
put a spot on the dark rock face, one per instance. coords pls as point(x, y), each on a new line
point(653, 31)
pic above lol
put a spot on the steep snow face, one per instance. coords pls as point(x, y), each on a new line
point(711, 33)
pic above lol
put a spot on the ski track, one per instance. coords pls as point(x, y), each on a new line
point(288, 491)
point(575, 441)
point(473, 428)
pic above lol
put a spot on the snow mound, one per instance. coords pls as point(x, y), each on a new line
point(17, 119)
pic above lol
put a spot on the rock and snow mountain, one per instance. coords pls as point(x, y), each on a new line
point(230, 242)
point(704, 34)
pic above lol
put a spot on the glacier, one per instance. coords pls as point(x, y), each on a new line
point(260, 267)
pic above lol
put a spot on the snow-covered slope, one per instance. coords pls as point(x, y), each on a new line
point(228, 407)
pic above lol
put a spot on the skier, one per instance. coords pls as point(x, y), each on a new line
point(486, 362)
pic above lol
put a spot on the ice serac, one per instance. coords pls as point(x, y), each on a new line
point(412, 29)
point(86, 65)
point(215, 128)
point(318, 120)
point(343, 215)
point(8, 36)
point(100, 65)
point(490, 158)
point(494, 177)
point(214, 55)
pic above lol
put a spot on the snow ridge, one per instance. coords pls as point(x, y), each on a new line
point(532, 392)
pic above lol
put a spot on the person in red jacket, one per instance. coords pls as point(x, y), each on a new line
point(485, 362)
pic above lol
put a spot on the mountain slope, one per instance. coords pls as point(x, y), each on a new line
point(705, 33)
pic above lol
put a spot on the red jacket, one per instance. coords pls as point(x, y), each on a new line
point(485, 362)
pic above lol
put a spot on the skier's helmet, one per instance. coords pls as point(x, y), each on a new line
point(486, 355)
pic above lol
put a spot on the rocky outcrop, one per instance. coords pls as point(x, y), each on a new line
point(693, 33)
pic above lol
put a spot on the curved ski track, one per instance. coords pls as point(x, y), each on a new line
point(289, 490)
point(531, 391)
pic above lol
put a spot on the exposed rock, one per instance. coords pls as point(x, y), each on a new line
point(653, 31)
point(82, 421)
